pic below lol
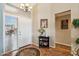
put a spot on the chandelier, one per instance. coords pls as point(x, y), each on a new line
point(26, 7)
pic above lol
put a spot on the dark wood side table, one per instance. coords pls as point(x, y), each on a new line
point(44, 41)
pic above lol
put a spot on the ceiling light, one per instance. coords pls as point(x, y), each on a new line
point(22, 4)
point(26, 7)
point(30, 7)
point(26, 4)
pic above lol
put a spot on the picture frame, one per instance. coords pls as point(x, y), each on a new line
point(64, 24)
point(44, 23)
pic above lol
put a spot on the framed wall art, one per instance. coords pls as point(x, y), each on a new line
point(44, 23)
point(64, 24)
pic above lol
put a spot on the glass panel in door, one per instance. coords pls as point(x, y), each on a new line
point(11, 39)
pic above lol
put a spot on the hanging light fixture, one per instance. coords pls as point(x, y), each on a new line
point(26, 7)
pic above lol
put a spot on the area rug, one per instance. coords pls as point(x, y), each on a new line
point(28, 52)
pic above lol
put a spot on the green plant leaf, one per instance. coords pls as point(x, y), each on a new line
point(76, 23)
point(77, 41)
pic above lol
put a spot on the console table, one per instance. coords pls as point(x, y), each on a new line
point(43, 41)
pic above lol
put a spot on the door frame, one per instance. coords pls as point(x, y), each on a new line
point(61, 14)
point(8, 14)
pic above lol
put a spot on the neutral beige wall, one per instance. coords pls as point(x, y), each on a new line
point(42, 11)
point(34, 25)
point(63, 36)
point(49, 11)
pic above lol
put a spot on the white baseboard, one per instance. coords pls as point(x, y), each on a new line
point(52, 46)
point(63, 44)
point(35, 44)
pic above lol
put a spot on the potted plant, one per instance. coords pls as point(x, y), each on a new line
point(77, 41)
point(76, 49)
point(41, 30)
point(76, 23)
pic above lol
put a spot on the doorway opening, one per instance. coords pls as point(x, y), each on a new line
point(63, 29)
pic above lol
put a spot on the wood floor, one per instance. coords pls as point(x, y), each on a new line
point(59, 50)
